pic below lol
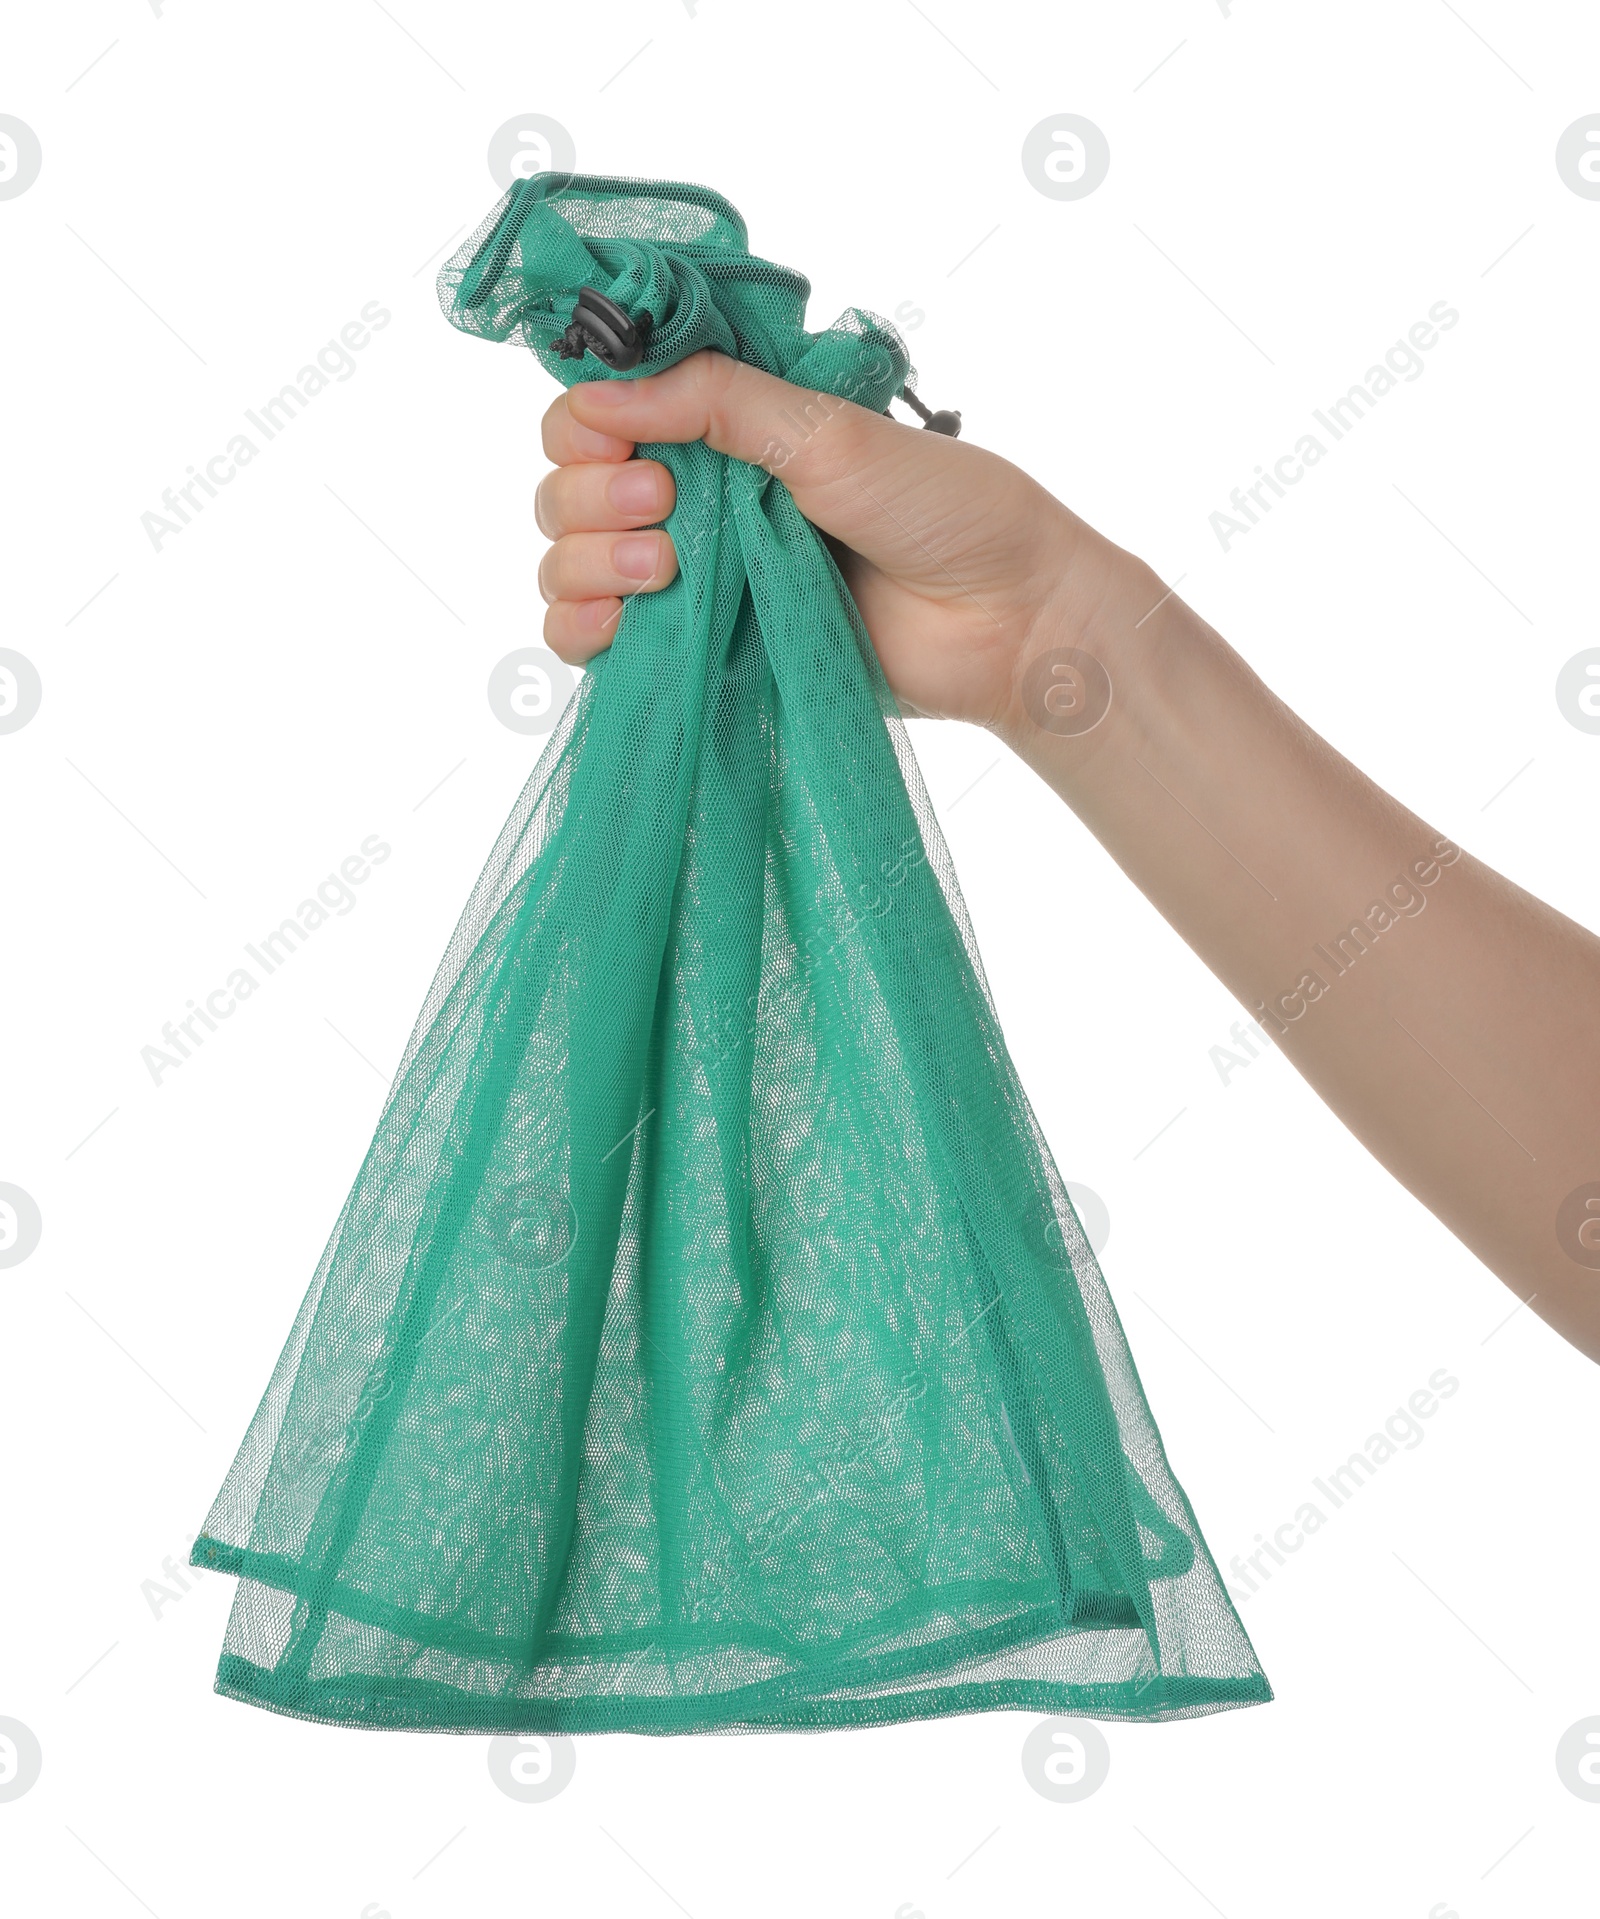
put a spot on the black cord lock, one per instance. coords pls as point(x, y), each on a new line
point(599, 326)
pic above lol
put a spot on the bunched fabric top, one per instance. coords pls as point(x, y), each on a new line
point(519, 277)
point(708, 1342)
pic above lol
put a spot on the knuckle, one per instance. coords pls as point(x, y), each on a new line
point(838, 446)
point(717, 390)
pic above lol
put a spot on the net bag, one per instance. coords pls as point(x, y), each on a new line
point(707, 1342)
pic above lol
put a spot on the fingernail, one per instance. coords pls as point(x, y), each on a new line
point(635, 489)
point(594, 616)
point(636, 557)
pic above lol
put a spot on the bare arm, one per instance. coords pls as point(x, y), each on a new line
point(1450, 1019)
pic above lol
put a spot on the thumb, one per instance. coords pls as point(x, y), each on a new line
point(835, 457)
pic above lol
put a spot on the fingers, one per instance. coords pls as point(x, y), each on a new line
point(588, 507)
point(585, 577)
point(602, 497)
point(575, 630)
point(599, 493)
point(594, 566)
point(810, 438)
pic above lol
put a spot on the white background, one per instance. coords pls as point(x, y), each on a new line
point(224, 721)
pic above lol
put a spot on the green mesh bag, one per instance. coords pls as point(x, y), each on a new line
point(707, 1342)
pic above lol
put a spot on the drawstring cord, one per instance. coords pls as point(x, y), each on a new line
point(943, 421)
point(612, 334)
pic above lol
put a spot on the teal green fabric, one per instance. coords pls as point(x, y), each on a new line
point(708, 1341)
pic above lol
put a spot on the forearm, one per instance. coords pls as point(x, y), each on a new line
point(1450, 1019)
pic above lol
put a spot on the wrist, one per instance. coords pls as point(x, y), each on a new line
point(1080, 657)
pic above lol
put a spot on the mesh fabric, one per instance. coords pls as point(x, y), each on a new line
point(708, 1342)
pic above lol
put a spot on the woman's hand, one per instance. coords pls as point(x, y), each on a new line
point(959, 563)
